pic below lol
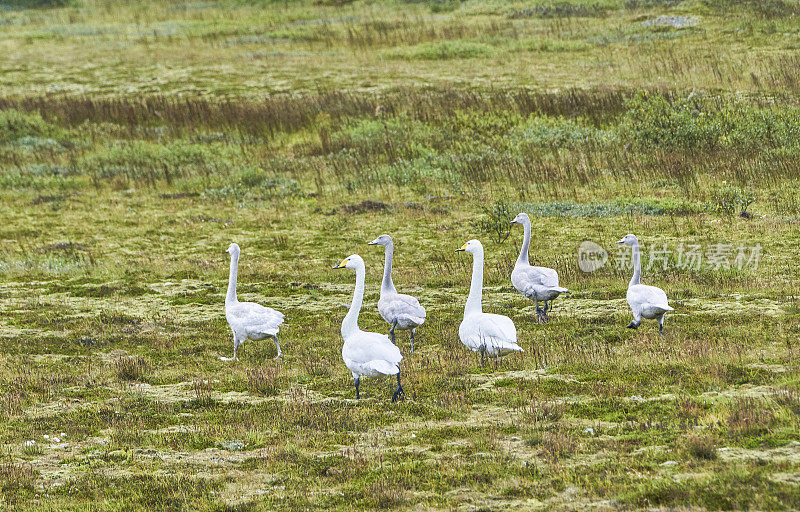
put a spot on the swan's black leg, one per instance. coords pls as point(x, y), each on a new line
point(412, 340)
point(357, 381)
point(398, 393)
point(483, 356)
point(391, 331)
point(539, 313)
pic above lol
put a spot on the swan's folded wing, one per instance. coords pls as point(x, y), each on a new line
point(371, 346)
point(400, 304)
point(542, 275)
point(254, 314)
point(535, 280)
point(651, 296)
point(497, 327)
point(384, 367)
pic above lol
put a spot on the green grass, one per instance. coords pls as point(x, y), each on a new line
point(137, 140)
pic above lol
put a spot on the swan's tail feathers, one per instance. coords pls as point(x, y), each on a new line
point(268, 330)
point(274, 315)
point(559, 289)
point(410, 319)
point(666, 308)
point(384, 367)
point(506, 347)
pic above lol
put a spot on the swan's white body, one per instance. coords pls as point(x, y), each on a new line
point(248, 320)
point(645, 301)
point(536, 283)
point(487, 333)
point(401, 311)
point(366, 354)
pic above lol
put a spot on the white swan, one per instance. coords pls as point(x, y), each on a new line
point(645, 301)
point(366, 354)
point(248, 320)
point(537, 283)
point(401, 311)
point(487, 333)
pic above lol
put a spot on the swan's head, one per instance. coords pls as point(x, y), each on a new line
point(521, 218)
point(352, 262)
point(384, 240)
point(629, 240)
point(471, 247)
point(233, 249)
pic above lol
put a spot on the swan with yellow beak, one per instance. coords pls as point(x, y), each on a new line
point(366, 354)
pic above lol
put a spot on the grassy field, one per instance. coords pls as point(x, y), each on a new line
point(138, 139)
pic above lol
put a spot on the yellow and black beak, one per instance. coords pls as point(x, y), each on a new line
point(463, 248)
point(341, 264)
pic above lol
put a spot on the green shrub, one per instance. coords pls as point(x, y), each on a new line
point(732, 200)
point(496, 221)
point(19, 126)
point(557, 131)
point(149, 161)
point(418, 173)
point(653, 120)
point(480, 125)
point(397, 137)
point(444, 50)
point(658, 121)
point(254, 183)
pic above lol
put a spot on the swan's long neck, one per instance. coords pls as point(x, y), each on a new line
point(475, 299)
point(637, 265)
point(387, 286)
point(231, 296)
point(526, 242)
point(350, 322)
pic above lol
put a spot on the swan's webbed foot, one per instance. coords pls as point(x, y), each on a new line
point(633, 325)
point(399, 394)
point(542, 315)
point(234, 358)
